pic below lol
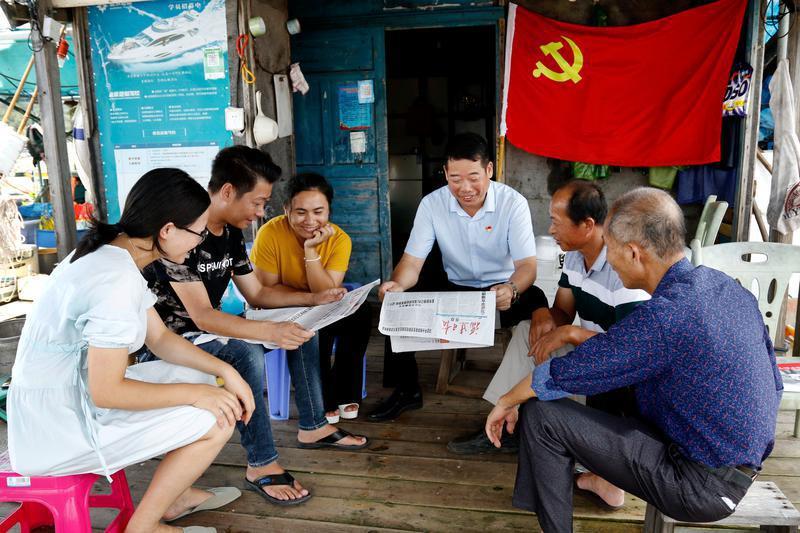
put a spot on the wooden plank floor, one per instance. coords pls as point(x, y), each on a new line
point(406, 480)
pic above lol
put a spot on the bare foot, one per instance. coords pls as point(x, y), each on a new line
point(191, 497)
point(613, 496)
point(308, 437)
point(280, 492)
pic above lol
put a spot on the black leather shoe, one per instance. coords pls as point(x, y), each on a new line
point(398, 402)
point(478, 443)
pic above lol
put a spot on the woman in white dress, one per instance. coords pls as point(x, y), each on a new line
point(76, 407)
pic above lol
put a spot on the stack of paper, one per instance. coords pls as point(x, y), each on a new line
point(418, 321)
point(317, 317)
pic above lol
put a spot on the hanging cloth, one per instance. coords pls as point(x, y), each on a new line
point(783, 213)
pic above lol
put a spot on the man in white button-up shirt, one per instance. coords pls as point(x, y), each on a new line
point(484, 231)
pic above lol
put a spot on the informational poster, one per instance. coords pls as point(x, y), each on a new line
point(161, 81)
point(353, 115)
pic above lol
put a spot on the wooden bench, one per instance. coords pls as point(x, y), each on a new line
point(764, 505)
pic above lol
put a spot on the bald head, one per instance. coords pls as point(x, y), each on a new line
point(650, 218)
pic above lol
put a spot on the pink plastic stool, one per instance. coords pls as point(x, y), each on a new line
point(62, 501)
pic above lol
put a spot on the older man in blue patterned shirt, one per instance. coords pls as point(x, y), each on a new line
point(703, 369)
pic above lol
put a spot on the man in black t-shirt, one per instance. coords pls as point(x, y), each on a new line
point(189, 296)
point(215, 260)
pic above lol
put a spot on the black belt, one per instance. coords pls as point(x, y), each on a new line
point(752, 473)
point(742, 475)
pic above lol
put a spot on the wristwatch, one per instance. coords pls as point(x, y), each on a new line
point(514, 292)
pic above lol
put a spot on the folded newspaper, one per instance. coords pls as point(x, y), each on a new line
point(317, 317)
point(418, 321)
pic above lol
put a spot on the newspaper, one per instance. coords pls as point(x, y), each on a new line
point(438, 320)
point(790, 373)
point(318, 316)
point(402, 343)
point(314, 318)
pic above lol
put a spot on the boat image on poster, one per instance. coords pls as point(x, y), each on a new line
point(170, 39)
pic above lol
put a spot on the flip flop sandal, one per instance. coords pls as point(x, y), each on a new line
point(274, 480)
point(332, 419)
point(593, 496)
point(332, 441)
point(347, 415)
point(221, 496)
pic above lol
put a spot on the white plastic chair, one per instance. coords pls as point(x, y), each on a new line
point(764, 268)
point(710, 221)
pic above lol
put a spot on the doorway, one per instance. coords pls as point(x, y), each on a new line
point(439, 82)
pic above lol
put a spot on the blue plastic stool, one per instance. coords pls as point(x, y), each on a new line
point(279, 382)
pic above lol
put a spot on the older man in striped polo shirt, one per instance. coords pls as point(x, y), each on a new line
point(589, 286)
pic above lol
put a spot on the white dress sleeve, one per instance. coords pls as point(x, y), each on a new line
point(114, 308)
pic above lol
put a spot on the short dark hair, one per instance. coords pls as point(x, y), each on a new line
point(468, 146)
point(161, 196)
point(242, 167)
point(586, 201)
point(308, 181)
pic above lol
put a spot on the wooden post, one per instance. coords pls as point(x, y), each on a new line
point(48, 79)
point(743, 204)
point(80, 40)
point(501, 161)
point(248, 90)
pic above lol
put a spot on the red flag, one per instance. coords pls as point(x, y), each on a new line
point(644, 95)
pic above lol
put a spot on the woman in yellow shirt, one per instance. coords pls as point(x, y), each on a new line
point(302, 251)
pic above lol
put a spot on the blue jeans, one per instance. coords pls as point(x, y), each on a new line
point(248, 360)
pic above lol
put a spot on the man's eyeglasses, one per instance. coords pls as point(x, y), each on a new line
point(203, 234)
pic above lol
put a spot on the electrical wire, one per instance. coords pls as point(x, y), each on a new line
point(15, 81)
point(33, 12)
point(774, 21)
point(241, 48)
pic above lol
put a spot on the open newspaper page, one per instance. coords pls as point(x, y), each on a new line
point(316, 317)
point(790, 373)
point(418, 321)
point(466, 317)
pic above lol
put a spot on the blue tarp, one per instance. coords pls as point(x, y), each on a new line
point(14, 56)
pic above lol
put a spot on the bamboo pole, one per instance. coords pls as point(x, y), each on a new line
point(501, 159)
point(22, 81)
point(28, 111)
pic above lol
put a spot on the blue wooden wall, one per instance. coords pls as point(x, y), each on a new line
point(343, 42)
point(330, 59)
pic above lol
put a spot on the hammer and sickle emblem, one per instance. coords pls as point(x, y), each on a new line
point(568, 72)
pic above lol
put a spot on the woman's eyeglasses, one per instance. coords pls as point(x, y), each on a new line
point(203, 234)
